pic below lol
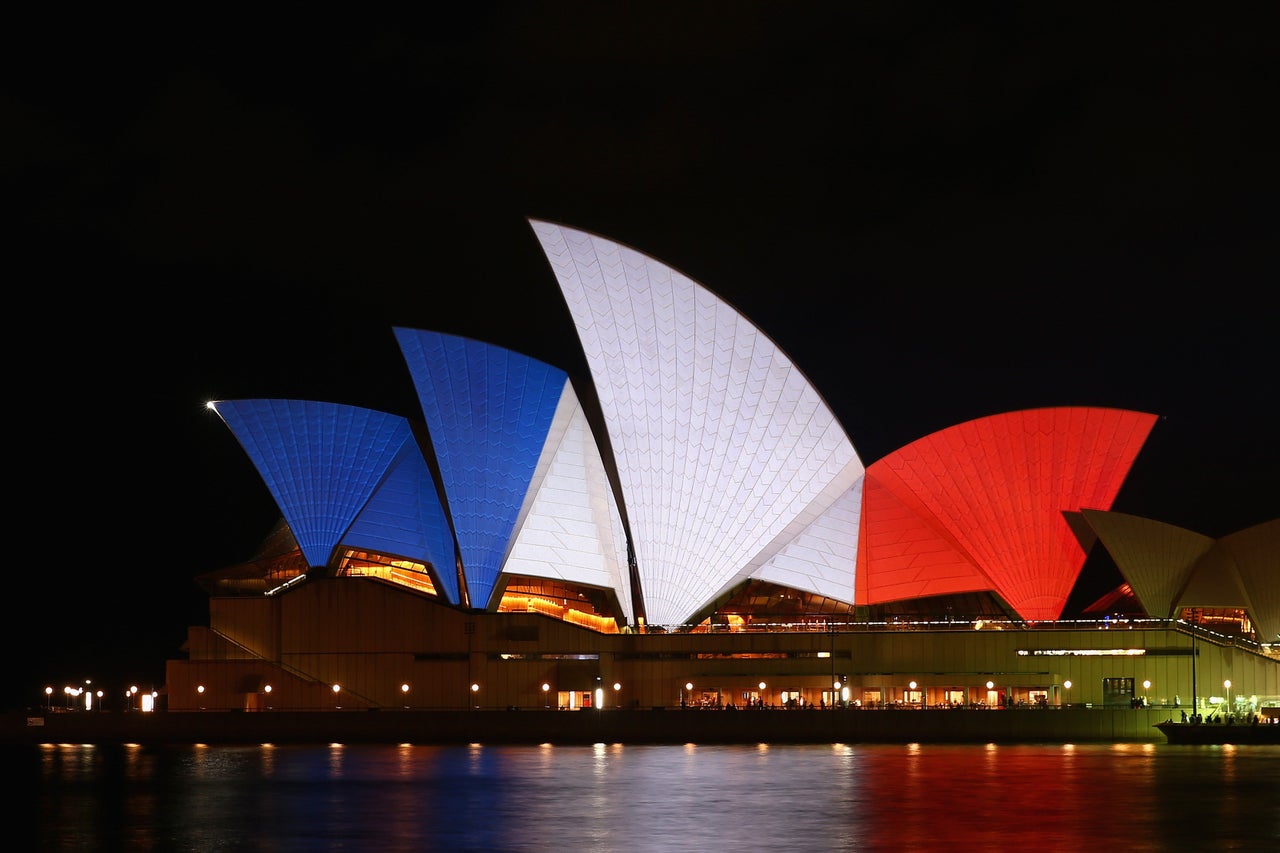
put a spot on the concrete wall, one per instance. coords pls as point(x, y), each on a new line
point(584, 727)
point(372, 639)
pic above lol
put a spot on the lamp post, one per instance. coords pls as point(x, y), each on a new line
point(1195, 700)
point(835, 685)
point(48, 698)
point(469, 628)
point(617, 694)
point(1226, 685)
point(1066, 685)
point(1146, 685)
point(546, 692)
point(762, 686)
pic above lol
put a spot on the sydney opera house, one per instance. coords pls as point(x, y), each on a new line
point(696, 528)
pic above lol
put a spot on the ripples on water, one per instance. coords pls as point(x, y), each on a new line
point(1131, 797)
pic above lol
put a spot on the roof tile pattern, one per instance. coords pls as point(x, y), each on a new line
point(1170, 568)
point(572, 530)
point(993, 492)
point(912, 557)
point(1255, 553)
point(1155, 558)
point(721, 442)
point(321, 461)
point(488, 411)
point(404, 518)
point(730, 467)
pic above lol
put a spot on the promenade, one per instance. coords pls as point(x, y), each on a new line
point(1030, 725)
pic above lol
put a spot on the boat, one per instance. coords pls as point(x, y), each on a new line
point(1263, 731)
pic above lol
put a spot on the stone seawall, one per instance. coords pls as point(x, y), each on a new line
point(1066, 725)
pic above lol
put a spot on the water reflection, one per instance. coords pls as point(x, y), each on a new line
point(1141, 797)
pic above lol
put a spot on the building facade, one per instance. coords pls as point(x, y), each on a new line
point(365, 643)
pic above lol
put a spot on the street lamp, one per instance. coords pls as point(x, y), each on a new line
point(1226, 685)
point(762, 686)
point(546, 695)
point(1066, 685)
point(617, 698)
point(48, 698)
point(1146, 685)
point(475, 690)
point(835, 684)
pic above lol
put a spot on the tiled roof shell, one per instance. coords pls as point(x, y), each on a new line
point(730, 468)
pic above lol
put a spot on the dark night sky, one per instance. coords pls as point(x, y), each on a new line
point(940, 214)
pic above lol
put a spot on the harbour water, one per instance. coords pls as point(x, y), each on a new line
point(636, 798)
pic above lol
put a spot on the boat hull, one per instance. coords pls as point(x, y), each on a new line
point(1220, 733)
